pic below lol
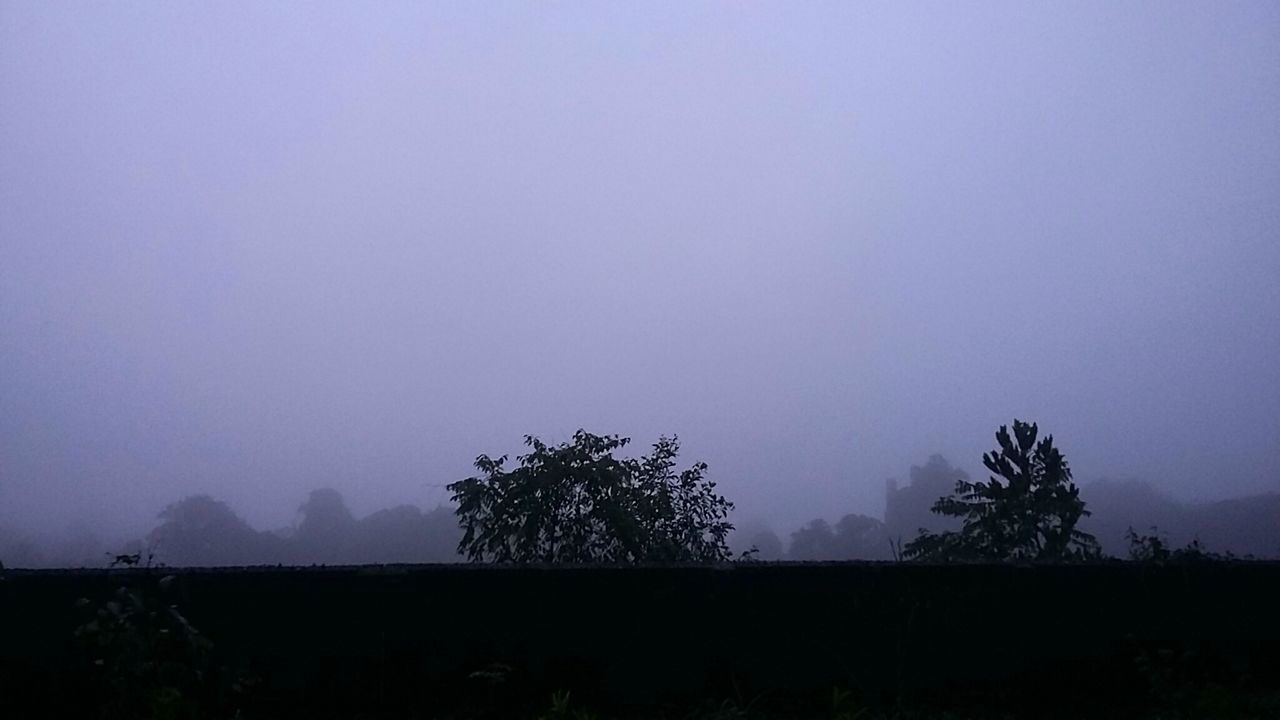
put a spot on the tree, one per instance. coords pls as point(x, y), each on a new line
point(1028, 509)
point(812, 542)
point(325, 513)
point(854, 537)
point(199, 530)
point(325, 532)
point(576, 502)
point(405, 534)
point(859, 537)
point(1157, 550)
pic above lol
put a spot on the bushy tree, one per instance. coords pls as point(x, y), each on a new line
point(813, 541)
point(199, 530)
point(576, 502)
point(326, 531)
point(1027, 510)
point(854, 537)
point(860, 537)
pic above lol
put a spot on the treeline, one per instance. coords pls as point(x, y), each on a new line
point(1245, 527)
point(200, 530)
point(203, 531)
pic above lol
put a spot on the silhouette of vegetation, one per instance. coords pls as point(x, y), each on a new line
point(199, 530)
point(1154, 548)
point(150, 661)
point(576, 502)
point(861, 537)
point(327, 527)
point(854, 537)
point(1028, 510)
point(812, 542)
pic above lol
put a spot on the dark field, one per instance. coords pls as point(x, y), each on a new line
point(745, 640)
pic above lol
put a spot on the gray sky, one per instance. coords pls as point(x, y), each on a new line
point(252, 249)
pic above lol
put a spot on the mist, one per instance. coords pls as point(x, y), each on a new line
point(250, 251)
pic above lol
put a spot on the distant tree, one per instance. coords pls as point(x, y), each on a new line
point(812, 542)
point(1156, 549)
point(576, 502)
point(325, 513)
point(854, 537)
point(326, 531)
point(859, 537)
point(404, 534)
point(1028, 509)
point(199, 530)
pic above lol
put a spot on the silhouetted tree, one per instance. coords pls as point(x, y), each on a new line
point(1028, 509)
point(325, 513)
point(325, 534)
point(1155, 548)
point(859, 537)
point(812, 542)
point(576, 502)
point(854, 537)
point(404, 534)
point(199, 530)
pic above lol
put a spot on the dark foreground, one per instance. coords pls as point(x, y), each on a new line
point(743, 641)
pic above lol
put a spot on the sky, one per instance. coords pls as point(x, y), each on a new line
point(252, 249)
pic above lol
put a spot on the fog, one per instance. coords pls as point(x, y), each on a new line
point(254, 250)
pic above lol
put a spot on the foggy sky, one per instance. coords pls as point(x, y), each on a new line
point(254, 249)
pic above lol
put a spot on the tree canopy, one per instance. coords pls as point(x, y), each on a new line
point(1027, 510)
point(577, 502)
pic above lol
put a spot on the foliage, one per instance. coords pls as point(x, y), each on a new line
point(844, 706)
point(854, 537)
point(576, 502)
point(151, 661)
point(563, 709)
point(1028, 509)
point(861, 537)
point(1155, 549)
point(813, 541)
point(325, 515)
point(199, 530)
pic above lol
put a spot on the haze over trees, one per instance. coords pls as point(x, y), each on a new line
point(580, 495)
point(854, 537)
point(201, 531)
